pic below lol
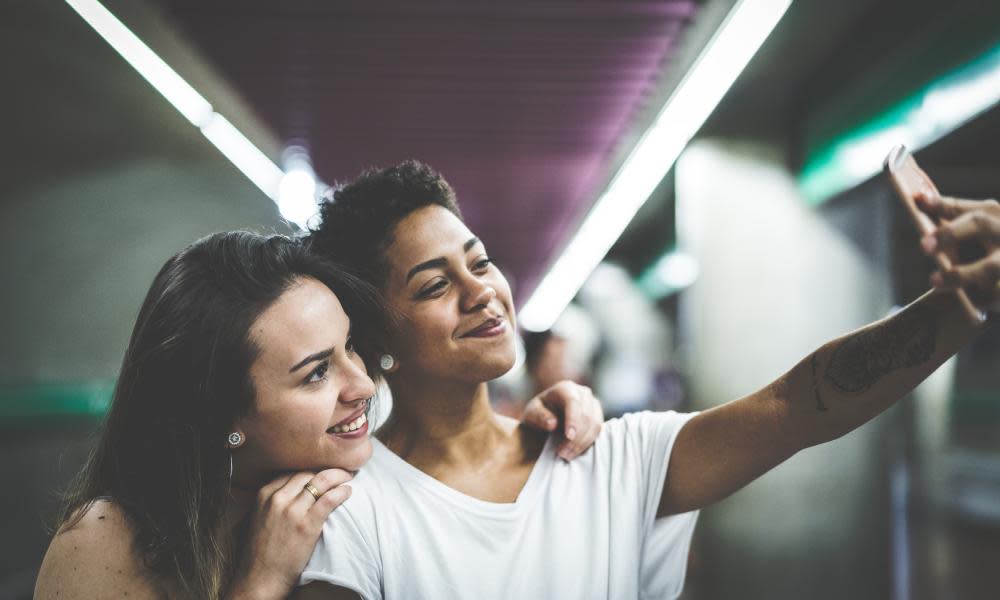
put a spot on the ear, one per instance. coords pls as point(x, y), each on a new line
point(388, 363)
point(235, 439)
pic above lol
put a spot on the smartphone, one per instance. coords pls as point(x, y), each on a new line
point(909, 180)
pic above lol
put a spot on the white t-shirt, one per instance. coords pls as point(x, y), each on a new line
point(583, 529)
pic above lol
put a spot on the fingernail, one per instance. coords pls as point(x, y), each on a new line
point(929, 243)
point(570, 433)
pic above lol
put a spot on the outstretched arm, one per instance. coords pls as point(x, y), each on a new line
point(847, 381)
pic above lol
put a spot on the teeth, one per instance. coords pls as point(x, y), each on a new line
point(352, 426)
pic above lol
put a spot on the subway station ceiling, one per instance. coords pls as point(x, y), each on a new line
point(524, 106)
point(519, 104)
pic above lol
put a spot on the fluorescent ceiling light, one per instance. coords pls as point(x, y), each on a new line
point(696, 96)
point(166, 81)
point(244, 155)
point(297, 196)
point(917, 121)
point(235, 146)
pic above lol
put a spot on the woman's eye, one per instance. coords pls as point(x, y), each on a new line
point(482, 264)
point(319, 373)
point(431, 290)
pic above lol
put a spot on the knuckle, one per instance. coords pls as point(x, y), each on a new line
point(981, 220)
point(993, 267)
point(331, 476)
point(302, 527)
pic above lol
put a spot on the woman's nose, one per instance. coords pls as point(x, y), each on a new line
point(479, 294)
point(358, 385)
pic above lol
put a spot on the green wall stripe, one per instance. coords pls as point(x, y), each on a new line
point(55, 400)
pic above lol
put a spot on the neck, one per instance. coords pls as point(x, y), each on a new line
point(444, 423)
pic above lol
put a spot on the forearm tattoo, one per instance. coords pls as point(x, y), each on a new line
point(814, 365)
point(860, 361)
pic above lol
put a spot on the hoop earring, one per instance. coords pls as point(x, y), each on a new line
point(387, 362)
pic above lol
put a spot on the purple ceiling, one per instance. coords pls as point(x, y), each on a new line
point(519, 104)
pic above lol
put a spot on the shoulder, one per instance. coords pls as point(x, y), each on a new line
point(93, 555)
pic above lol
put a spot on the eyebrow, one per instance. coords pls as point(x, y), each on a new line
point(316, 356)
point(437, 263)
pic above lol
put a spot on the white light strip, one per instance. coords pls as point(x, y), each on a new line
point(241, 152)
point(235, 146)
point(166, 81)
point(696, 96)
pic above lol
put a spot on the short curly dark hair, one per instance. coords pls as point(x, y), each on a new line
point(356, 224)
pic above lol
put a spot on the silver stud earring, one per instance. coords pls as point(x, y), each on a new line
point(235, 439)
point(386, 361)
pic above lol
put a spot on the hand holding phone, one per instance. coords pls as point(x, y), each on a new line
point(909, 180)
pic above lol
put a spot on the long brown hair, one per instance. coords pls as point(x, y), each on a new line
point(161, 456)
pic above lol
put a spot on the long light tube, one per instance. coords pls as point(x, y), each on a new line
point(685, 111)
point(231, 142)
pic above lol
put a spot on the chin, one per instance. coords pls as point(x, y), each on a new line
point(354, 458)
point(494, 366)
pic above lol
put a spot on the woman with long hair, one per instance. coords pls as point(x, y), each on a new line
point(456, 502)
point(240, 411)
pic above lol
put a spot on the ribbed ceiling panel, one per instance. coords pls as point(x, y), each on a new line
point(519, 104)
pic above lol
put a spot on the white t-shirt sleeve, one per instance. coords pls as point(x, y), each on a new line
point(347, 553)
point(668, 539)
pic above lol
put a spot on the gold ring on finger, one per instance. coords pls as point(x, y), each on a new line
point(309, 487)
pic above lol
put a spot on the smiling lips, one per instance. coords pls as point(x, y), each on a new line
point(356, 424)
point(489, 328)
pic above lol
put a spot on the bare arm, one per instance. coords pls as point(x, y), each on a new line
point(831, 392)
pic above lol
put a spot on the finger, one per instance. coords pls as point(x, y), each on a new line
point(333, 498)
point(538, 416)
point(592, 418)
point(570, 450)
point(571, 399)
point(323, 482)
point(983, 275)
point(971, 226)
point(292, 488)
point(274, 485)
point(585, 439)
point(594, 409)
point(330, 478)
point(948, 207)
